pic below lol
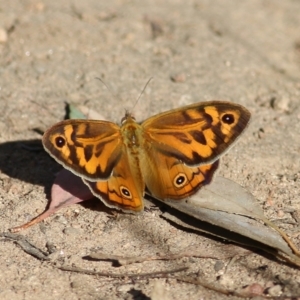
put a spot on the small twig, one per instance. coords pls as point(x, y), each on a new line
point(25, 245)
point(115, 275)
point(222, 252)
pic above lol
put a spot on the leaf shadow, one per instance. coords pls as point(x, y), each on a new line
point(216, 233)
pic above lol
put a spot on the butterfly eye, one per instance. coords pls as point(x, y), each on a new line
point(125, 192)
point(228, 119)
point(60, 141)
point(180, 180)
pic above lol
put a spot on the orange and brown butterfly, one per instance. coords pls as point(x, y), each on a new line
point(170, 155)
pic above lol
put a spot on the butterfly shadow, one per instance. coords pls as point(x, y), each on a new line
point(26, 161)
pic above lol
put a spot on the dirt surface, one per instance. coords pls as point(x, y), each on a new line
point(51, 51)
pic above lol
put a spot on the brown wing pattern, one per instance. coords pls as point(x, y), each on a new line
point(89, 149)
point(199, 133)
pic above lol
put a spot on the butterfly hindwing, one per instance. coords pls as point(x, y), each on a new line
point(176, 180)
point(124, 189)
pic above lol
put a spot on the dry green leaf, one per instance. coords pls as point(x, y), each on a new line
point(227, 205)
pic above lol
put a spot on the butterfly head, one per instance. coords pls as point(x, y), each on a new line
point(128, 116)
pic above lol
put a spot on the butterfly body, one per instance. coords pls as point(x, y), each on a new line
point(170, 155)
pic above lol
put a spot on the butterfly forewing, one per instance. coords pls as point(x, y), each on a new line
point(199, 133)
point(90, 149)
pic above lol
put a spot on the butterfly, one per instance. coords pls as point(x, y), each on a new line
point(169, 156)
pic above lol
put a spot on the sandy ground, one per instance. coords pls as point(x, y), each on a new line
point(51, 51)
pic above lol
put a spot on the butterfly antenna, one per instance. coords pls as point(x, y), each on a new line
point(142, 92)
point(105, 85)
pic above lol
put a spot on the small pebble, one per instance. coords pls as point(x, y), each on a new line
point(275, 291)
point(61, 219)
point(3, 35)
point(252, 290)
point(71, 231)
point(281, 103)
point(219, 265)
point(180, 77)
